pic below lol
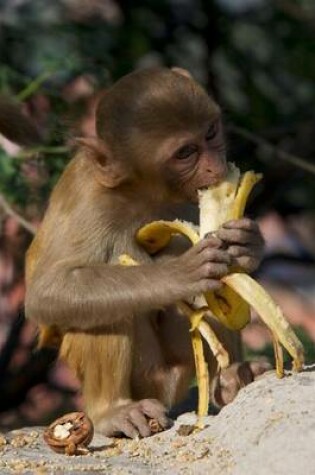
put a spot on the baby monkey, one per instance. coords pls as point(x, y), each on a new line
point(159, 139)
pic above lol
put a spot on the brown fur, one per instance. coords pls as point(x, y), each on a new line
point(122, 333)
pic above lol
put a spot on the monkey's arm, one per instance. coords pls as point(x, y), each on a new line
point(72, 295)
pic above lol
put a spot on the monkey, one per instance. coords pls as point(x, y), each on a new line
point(159, 139)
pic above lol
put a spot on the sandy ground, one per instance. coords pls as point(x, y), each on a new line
point(268, 429)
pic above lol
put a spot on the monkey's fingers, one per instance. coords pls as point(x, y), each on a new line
point(127, 428)
point(139, 421)
point(270, 313)
point(153, 409)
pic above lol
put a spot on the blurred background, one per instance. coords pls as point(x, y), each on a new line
point(255, 56)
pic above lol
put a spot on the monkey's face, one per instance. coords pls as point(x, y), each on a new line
point(165, 136)
point(194, 161)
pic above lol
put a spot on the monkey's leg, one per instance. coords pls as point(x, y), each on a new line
point(179, 370)
point(103, 362)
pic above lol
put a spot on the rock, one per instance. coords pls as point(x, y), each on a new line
point(268, 429)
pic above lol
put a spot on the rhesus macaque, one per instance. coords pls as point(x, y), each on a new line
point(159, 139)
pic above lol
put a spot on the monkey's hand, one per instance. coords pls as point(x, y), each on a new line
point(200, 268)
point(133, 419)
point(244, 243)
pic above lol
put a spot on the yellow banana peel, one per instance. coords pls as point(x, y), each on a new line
point(231, 304)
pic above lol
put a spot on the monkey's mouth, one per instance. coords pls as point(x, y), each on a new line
point(214, 181)
point(202, 189)
point(210, 184)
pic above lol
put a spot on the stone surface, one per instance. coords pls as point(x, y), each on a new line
point(268, 429)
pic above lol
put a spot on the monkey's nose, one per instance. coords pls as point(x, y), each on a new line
point(216, 176)
point(222, 170)
point(217, 169)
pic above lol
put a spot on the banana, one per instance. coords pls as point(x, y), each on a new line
point(231, 304)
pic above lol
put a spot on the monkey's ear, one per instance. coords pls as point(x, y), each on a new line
point(182, 72)
point(109, 172)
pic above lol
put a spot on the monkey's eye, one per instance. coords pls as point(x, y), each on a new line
point(185, 152)
point(212, 131)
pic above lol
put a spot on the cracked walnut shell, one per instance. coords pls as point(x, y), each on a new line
point(70, 434)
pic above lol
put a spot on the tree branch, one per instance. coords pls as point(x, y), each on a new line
point(297, 12)
point(10, 212)
point(273, 150)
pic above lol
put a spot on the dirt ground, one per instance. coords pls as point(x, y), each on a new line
point(268, 429)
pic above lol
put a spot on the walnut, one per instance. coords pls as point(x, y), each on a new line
point(70, 434)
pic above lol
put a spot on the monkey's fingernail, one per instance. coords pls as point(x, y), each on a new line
point(214, 240)
point(229, 223)
point(211, 234)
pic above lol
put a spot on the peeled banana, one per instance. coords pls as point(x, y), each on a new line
point(231, 304)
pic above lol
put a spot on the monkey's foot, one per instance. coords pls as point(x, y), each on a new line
point(229, 381)
point(134, 420)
